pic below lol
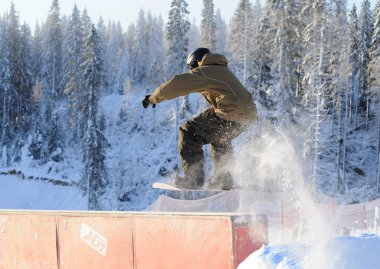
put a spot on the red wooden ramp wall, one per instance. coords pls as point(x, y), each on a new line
point(90, 240)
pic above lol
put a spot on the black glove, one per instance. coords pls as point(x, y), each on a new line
point(146, 102)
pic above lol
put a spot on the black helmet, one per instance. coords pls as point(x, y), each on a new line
point(196, 56)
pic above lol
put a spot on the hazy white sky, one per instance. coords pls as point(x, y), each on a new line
point(124, 11)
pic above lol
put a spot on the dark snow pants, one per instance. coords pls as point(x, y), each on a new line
point(206, 128)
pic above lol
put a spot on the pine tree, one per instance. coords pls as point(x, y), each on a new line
point(74, 44)
point(286, 53)
point(51, 71)
point(157, 50)
point(208, 37)
point(339, 72)
point(365, 36)
point(314, 66)
point(37, 52)
point(140, 57)
point(15, 69)
point(263, 59)
point(6, 87)
point(52, 56)
point(374, 71)
point(93, 143)
point(103, 42)
point(114, 53)
point(194, 36)
point(240, 40)
point(176, 34)
point(54, 146)
point(177, 29)
point(25, 109)
point(375, 45)
point(220, 33)
point(354, 63)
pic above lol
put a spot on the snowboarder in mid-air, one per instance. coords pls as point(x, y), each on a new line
point(232, 111)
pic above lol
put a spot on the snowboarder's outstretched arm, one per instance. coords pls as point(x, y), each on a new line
point(184, 84)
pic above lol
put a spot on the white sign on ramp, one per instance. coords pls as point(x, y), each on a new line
point(94, 239)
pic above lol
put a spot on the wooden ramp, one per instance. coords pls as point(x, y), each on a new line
point(60, 240)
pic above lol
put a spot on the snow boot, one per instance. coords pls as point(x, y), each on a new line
point(221, 182)
point(184, 183)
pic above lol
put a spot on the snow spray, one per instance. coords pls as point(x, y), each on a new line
point(269, 172)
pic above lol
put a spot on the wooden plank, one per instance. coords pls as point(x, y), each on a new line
point(95, 242)
point(28, 241)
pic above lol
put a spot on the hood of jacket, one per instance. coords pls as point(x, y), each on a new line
point(213, 59)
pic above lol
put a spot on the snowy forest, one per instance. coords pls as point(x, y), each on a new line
point(314, 65)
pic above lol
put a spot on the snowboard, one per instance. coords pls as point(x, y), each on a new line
point(170, 187)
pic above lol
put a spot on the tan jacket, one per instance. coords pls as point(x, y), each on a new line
point(217, 84)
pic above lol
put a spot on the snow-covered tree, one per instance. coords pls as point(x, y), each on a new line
point(25, 107)
point(157, 67)
point(314, 66)
point(52, 54)
point(114, 53)
point(93, 142)
point(365, 37)
point(286, 52)
point(208, 37)
point(176, 34)
point(262, 79)
point(140, 57)
point(54, 143)
point(51, 69)
point(6, 88)
point(220, 33)
point(354, 63)
point(74, 44)
point(37, 52)
point(375, 45)
point(339, 94)
point(374, 71)
point(194, 36)
point(240, 40)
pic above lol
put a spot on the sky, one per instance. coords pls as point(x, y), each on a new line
point(124, 11)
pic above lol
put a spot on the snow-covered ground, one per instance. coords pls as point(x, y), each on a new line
point(344, 252)
point(18, 193)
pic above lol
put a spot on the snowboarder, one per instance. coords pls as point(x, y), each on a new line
point(232, 111)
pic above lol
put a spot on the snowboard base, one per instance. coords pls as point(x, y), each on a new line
point(170, 187)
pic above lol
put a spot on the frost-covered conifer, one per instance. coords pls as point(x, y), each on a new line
point(52, 55)
point(314, 66)
point(25, 103)
point(354, 63)
point(140, 57)
point(263, 59)
point(365, 36)
point(37, 52)
point(5, 86)
point(73, 73)
point(208, 38)
point(375, 46)
point(176, 34)
point(114, 53)
point(157, 67)
point(286, 52)
point(93, 142)
point(240, 40)
point(374, 71)
point(194, 36)
point(220, 33)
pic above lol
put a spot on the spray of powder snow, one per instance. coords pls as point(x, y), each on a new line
point(269, 166)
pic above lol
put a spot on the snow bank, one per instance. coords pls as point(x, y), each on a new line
point(344, 252)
